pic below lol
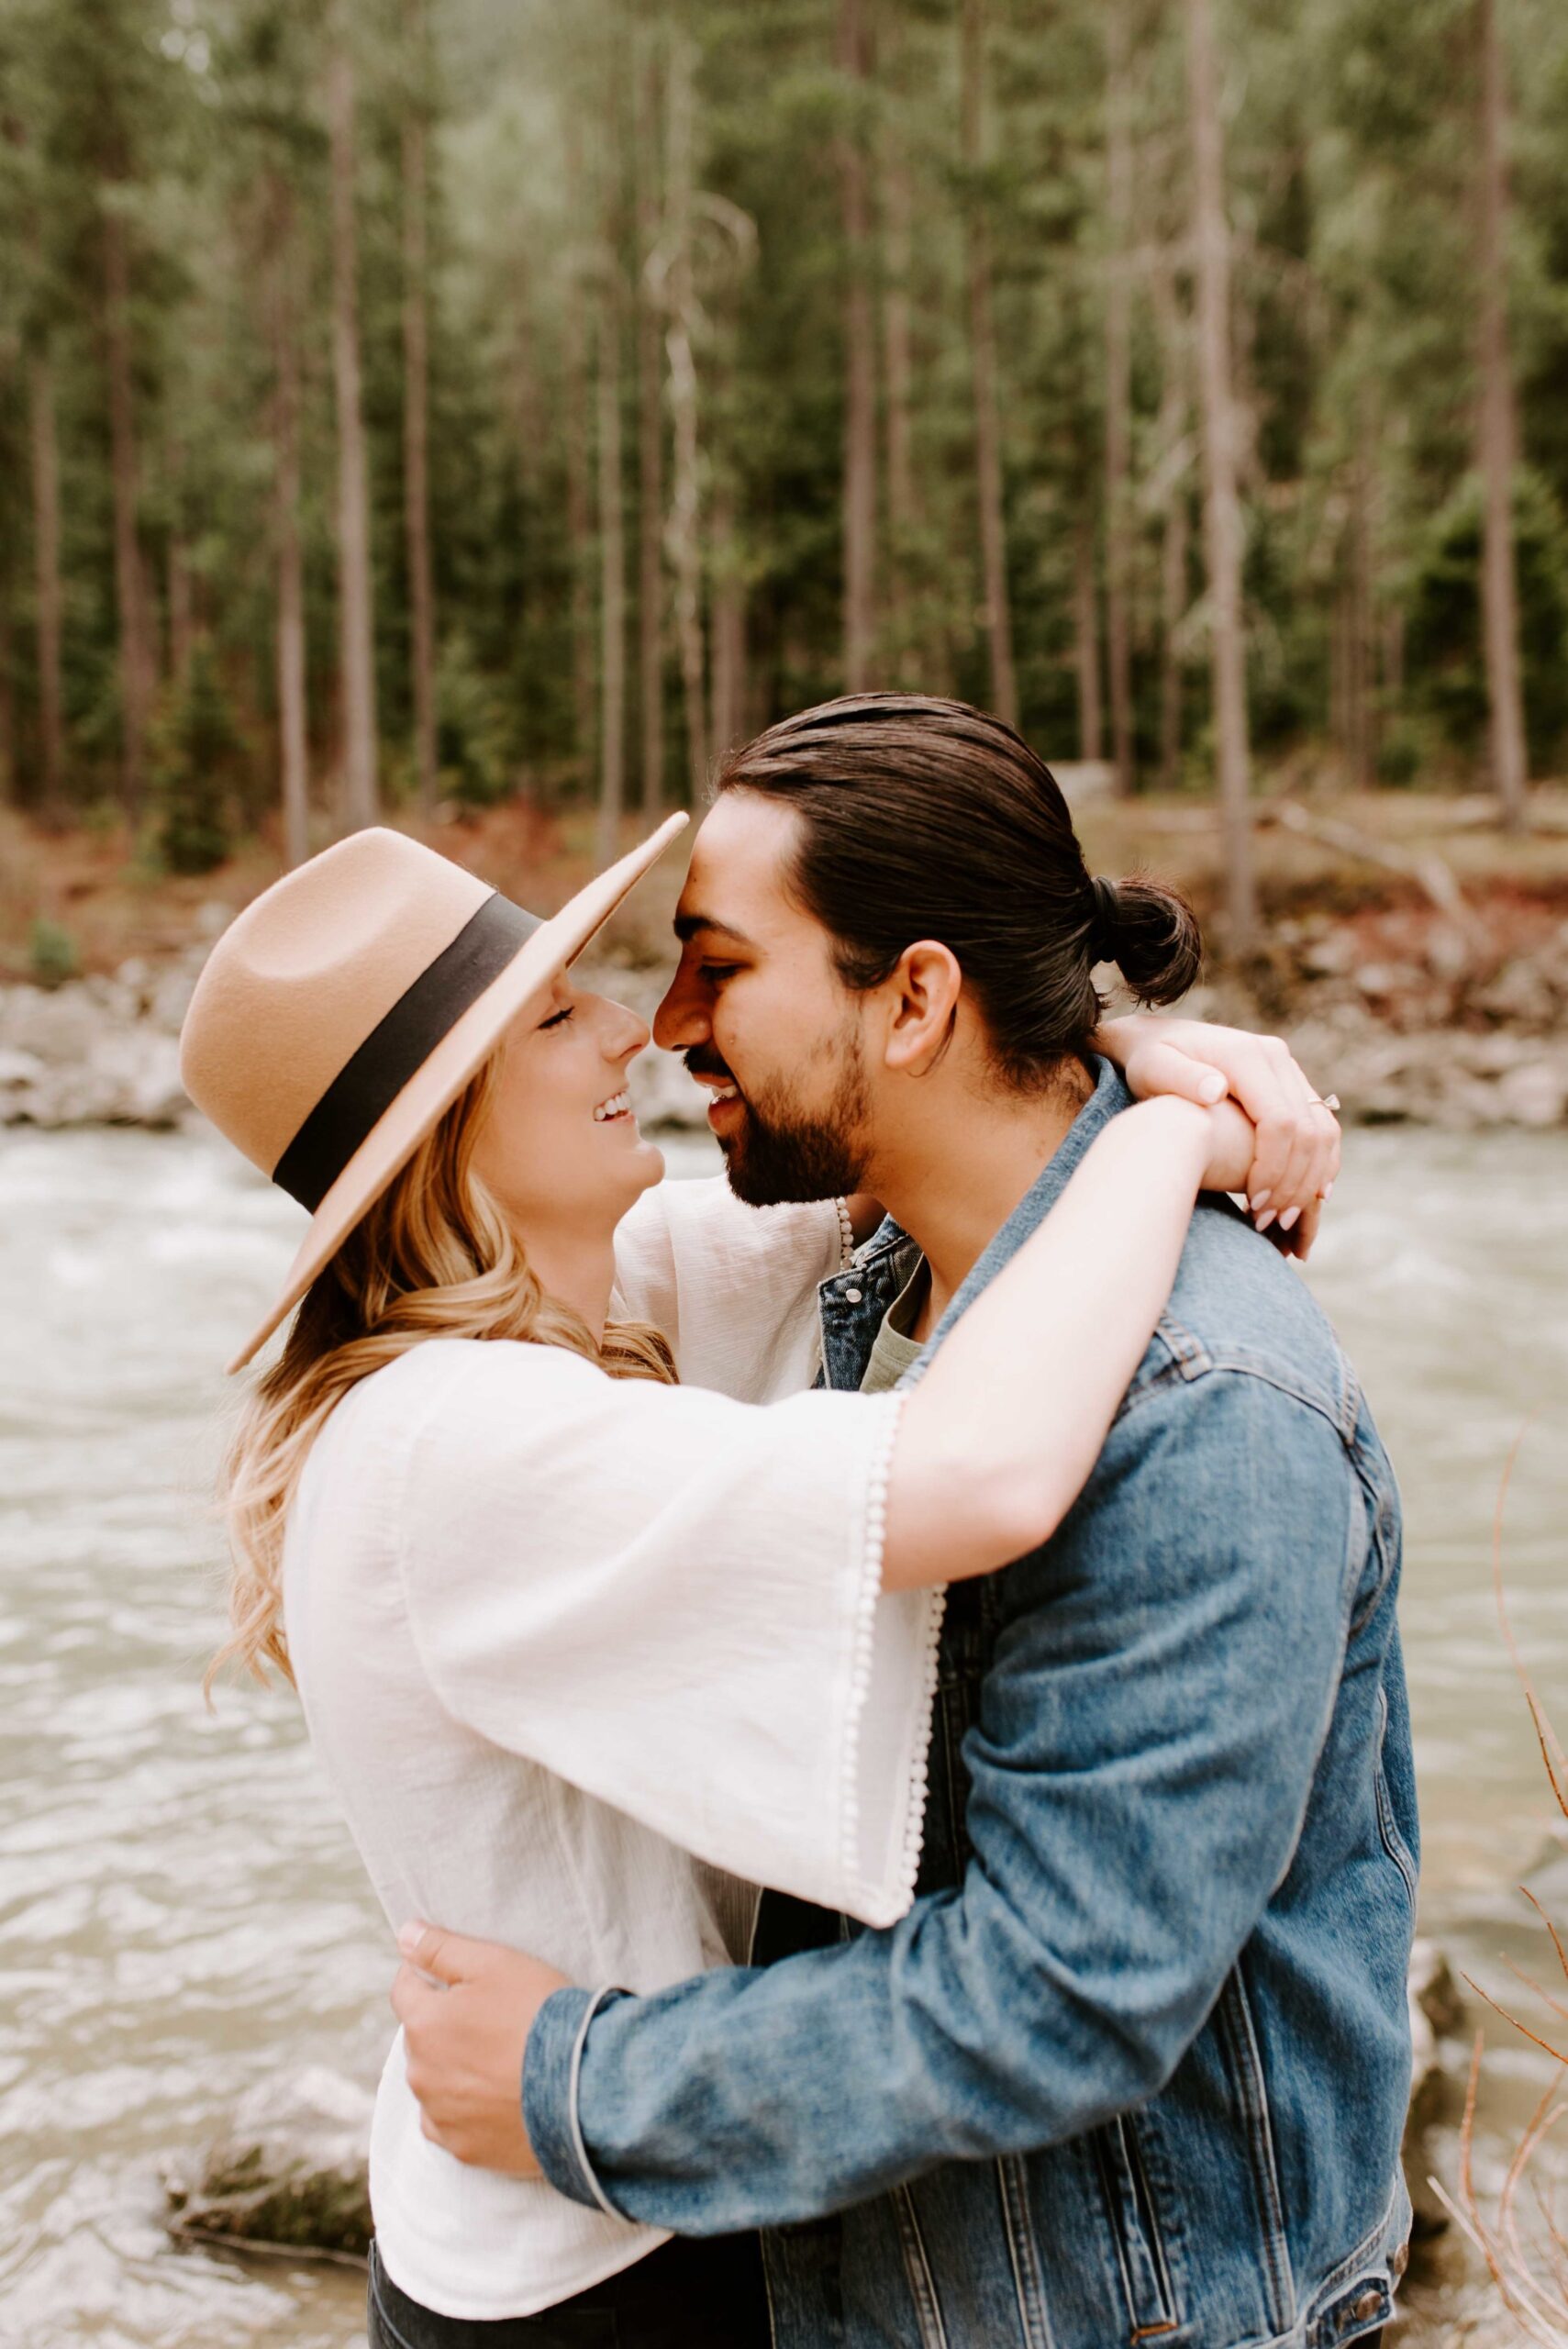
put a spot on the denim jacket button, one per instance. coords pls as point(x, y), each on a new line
point(1368, 2305)
point(1400, 2260)
point(851, 1296)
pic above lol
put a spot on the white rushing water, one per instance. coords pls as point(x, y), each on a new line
point(182, 1914)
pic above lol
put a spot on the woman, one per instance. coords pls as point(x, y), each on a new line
point(571, 1638)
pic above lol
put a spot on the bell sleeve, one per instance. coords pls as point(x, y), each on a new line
point(674, 1601)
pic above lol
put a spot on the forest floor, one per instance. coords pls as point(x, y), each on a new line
point(106, 904)
point(1416, 956)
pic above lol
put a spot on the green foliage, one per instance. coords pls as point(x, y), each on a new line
point(1350, 152)
point(1403, 754)
point(471, 730)
point(51, 953)
point(194, 756)
point(1444, 642)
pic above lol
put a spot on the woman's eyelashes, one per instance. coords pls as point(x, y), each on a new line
point(720, 970)
point(557, 1019)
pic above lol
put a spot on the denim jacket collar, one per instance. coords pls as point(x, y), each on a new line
point(852, 1304)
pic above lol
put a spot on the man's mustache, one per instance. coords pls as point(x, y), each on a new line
point(702, 1061)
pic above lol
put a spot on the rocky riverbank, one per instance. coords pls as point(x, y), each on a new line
point(1405, 1012)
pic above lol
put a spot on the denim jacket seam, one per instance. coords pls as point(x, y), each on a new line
point(1367, 2249)
point(1194, 1361)
point(1387, 1555)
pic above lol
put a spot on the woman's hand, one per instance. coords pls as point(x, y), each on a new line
point(1295, 1154)
point(467, 2008)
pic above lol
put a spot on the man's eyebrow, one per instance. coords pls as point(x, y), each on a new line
point(687, 926)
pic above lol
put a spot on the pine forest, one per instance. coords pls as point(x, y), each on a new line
point(407, 404)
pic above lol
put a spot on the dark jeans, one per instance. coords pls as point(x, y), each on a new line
point(686, 2294)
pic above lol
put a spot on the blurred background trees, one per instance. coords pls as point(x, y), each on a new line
point(409, 401)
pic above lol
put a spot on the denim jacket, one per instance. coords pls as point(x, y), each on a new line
point(1134, 2068)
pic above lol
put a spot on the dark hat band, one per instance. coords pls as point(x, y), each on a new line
point(369, 1083)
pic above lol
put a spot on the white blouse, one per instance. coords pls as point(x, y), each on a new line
point(571, 1647)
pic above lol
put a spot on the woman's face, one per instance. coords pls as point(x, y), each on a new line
point(558, 1148)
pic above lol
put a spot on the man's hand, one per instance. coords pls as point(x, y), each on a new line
point(1296, 1153)
point(467, 2008)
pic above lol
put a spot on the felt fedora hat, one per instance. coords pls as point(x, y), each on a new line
point(341, 1014)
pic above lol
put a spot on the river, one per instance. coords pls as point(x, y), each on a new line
point(180, 1913)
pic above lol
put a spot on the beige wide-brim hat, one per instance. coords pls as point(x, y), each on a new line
point(341, 1014)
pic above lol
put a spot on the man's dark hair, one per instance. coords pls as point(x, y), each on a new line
point(926, 819)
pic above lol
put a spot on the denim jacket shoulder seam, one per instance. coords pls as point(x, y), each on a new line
point(1190, 1360)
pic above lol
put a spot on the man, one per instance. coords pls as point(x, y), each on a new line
point(1134, 2067)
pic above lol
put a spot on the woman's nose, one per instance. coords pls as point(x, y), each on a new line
point(628, 1036)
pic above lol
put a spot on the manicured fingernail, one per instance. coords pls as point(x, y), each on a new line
point(1259, 1201)
point(1291, 1217)
point(410, 1937)
point(1264, 1220)
point(1327, 1193)
point(1213, 1087)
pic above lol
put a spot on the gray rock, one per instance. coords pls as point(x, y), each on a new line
point(1535, 1094)
point(1329, 956)
point(171, 994)
point(1493, 1054)
point(290, 2170)
point(19, 1067)
point(1437, 2013)
point(1520, 994)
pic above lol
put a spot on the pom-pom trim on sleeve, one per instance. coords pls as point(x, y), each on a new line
point(883, 1902)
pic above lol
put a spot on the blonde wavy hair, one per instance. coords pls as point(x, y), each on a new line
point(433, 1258)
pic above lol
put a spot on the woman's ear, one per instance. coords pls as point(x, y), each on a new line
point(923, 991)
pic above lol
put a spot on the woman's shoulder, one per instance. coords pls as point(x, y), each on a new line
point(457, 1387)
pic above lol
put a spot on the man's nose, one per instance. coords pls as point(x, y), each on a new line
point(682, 1019)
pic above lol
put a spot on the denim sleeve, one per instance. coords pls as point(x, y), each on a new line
point(1148, 1737)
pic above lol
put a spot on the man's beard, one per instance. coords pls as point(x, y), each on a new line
point(782, 1151)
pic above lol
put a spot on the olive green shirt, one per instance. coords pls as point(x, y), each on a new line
point(895, 1350)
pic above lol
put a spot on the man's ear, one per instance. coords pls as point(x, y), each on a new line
point(923, 994)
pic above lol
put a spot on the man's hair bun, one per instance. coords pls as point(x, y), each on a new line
point(1150, 933)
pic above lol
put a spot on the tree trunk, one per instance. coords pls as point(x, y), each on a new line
point(1086, 641)
point(859, 402)
point(47, 595)
point(1118, 385)
point(361, 788)
point(612, 578)
point(1222, 503)
point(8, 690)
point(1497, 436)
point(416, 411)
point(1358, 641)
point(1173, 525)
point(983, 348)
point(138, 661)
point(182, 607)
point(728, 718)
point(287, 538)
point(650, 452)
point(579, 525)
point(903, 498)
point(1173, 612)
point(685, 510)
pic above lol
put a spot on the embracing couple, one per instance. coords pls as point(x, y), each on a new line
point(960, 1523)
